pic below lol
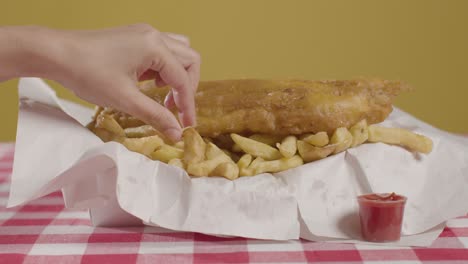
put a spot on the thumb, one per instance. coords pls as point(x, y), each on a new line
point(149, 111)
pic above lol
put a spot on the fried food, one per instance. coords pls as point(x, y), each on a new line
point(319, 140)
point(255, 148)
point(194, 146)
point(141, 131)
point(272, 166)
point(287, 107)
point(282, 124)
point(271, 140)
point(166, 153)
point(288, 146)
point(342, 139)
point(360, 133)
point(311, 153)
point(400, 137)
point(145, 145)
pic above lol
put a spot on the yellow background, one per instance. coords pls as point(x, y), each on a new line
point(423, 42)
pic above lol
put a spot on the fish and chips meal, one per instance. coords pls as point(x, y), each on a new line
point(248, 127)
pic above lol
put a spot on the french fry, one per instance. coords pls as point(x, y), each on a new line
point(194, 146)
point(176, 162)
point(401, 137)
point(145, 146)
point(140, 131)
point(179, 145)
point(213, 152)
point(103, 134)
point(207, 140)
point(256, 148)
point(255, 162)
point(214, 157)
point(205, 167)
point(319, 140)
point(232, 155)
point(277, 165)
point(165, 153)
point(359, 132)
point(267, 139)
point(244, 161)
point(342, 139)
point(246, 172)
point(228, 170)
point(236, 148)
point(97, 112)
point(108, 123)
point(288, 147)
point(310, 153)
point(243, 165)
point(250, 170)
point(227, 152)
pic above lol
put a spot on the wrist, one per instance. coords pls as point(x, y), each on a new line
point(31, 51)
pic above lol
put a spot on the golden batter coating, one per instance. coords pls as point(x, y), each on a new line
point(283, 107)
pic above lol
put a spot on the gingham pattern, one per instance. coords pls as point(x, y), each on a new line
point(44, 232)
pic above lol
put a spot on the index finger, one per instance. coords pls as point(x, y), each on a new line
point(174, 74)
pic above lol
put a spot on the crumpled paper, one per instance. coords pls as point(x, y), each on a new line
point(316, 201)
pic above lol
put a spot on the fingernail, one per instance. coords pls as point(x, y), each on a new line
point(173, 134)
point(187, 120)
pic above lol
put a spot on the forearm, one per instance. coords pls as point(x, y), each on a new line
point(30, 51)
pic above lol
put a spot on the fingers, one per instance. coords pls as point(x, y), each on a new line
point(144, 108)
point(181, 38)
point(174, 74)
point(186, 55)
point(191, 61)
point(159, 81)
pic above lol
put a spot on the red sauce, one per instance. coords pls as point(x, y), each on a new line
point(381, 216)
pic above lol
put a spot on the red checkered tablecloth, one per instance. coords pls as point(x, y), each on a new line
point(43, 231)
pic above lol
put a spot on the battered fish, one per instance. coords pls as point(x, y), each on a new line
point(285, 107)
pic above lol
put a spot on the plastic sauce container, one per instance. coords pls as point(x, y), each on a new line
point(381, 216)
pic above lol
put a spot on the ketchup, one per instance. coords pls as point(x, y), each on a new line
point(381, 216)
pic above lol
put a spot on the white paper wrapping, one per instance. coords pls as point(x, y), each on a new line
point(316, 201)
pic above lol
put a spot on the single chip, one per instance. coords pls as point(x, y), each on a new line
point(359, 132)
point(273, 166)
point(288, 146)
point(208, 140)
point(213, 152)
point(255, 148)
point(342, 139)
point(310, 153)
point(236, 148)
point(194, 146)
point(165, 153)
point(176, 162)
point(179, 145)
point(253, 165)
point(227, 170)
point(243, 165)
point(319, 140)
point(244, 161)
point(235, 157)
point(267, 139)
point(108, 123)
point(105, 135)
point(401, 137)
point(145, 146)
point(140, 131)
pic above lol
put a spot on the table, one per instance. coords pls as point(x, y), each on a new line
point(43, 231)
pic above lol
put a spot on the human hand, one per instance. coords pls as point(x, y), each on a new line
point(104, 66)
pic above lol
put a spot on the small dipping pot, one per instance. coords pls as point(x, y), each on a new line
point(381, 216)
